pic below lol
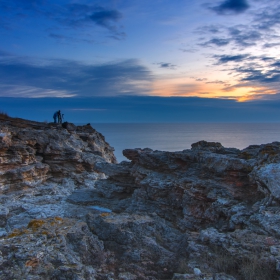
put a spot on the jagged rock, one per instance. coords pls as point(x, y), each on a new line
point(142, 243)
point(3, 215)
point(18, 178)
point(51, 150)
point(68, 211)
point(53, 248)
point(268, 178)
point(208, 146)
point(5, 140)
point(69, 126)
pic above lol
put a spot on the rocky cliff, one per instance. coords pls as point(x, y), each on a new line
point(69, 211)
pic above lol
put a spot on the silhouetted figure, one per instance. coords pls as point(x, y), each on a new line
point(57, 117)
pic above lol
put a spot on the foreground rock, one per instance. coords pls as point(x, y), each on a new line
point(41, 164)
point(68, 211)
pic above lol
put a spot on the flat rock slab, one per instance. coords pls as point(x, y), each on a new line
point(84, 197)
point(88, 197)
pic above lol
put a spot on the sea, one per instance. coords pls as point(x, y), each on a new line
point(180, 136)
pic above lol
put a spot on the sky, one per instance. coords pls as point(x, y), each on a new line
point(141, 61)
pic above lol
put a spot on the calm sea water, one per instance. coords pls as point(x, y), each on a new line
point(180, 136)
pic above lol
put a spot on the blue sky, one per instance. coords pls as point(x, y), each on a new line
point(87, 58)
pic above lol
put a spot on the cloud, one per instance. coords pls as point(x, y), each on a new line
point(251, 35)
point(276, 64)
point(67, 78)
point(244, 37)
point(265, 58)
point(270, 45)
point(217, 82)
point(231, 7)
point(268, 18)
point(222, 59)
point(239, 35)
point(199, 79)
point(259, 76)
point(105, 17)
point(32, 91)
point(219, 42)
point(74, 17)
point(251, 72)
point(81, 15)
point(214, 29)
point(166, 65)
point(190, 50)
point(261, 28)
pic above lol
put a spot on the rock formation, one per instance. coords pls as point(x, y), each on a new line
point(69, 211)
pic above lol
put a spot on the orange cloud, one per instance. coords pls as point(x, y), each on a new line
point(182, 87)
point(257, 94)
point(203, 88)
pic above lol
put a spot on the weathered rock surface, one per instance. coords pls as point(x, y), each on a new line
point(68, 211)
point(32, 152)
point(52, 248)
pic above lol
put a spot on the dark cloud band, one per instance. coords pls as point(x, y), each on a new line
point(231, 6)
point(60, 78)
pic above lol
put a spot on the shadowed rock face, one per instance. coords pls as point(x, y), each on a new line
point(68, 211)
point(31, 152)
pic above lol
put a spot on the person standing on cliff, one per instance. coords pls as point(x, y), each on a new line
point(57, 116)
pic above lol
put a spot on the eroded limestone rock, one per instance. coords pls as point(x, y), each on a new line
point(68, 211)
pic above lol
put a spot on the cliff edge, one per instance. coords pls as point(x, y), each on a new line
point(69, 211)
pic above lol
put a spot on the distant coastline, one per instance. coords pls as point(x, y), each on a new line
point(180, 136)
